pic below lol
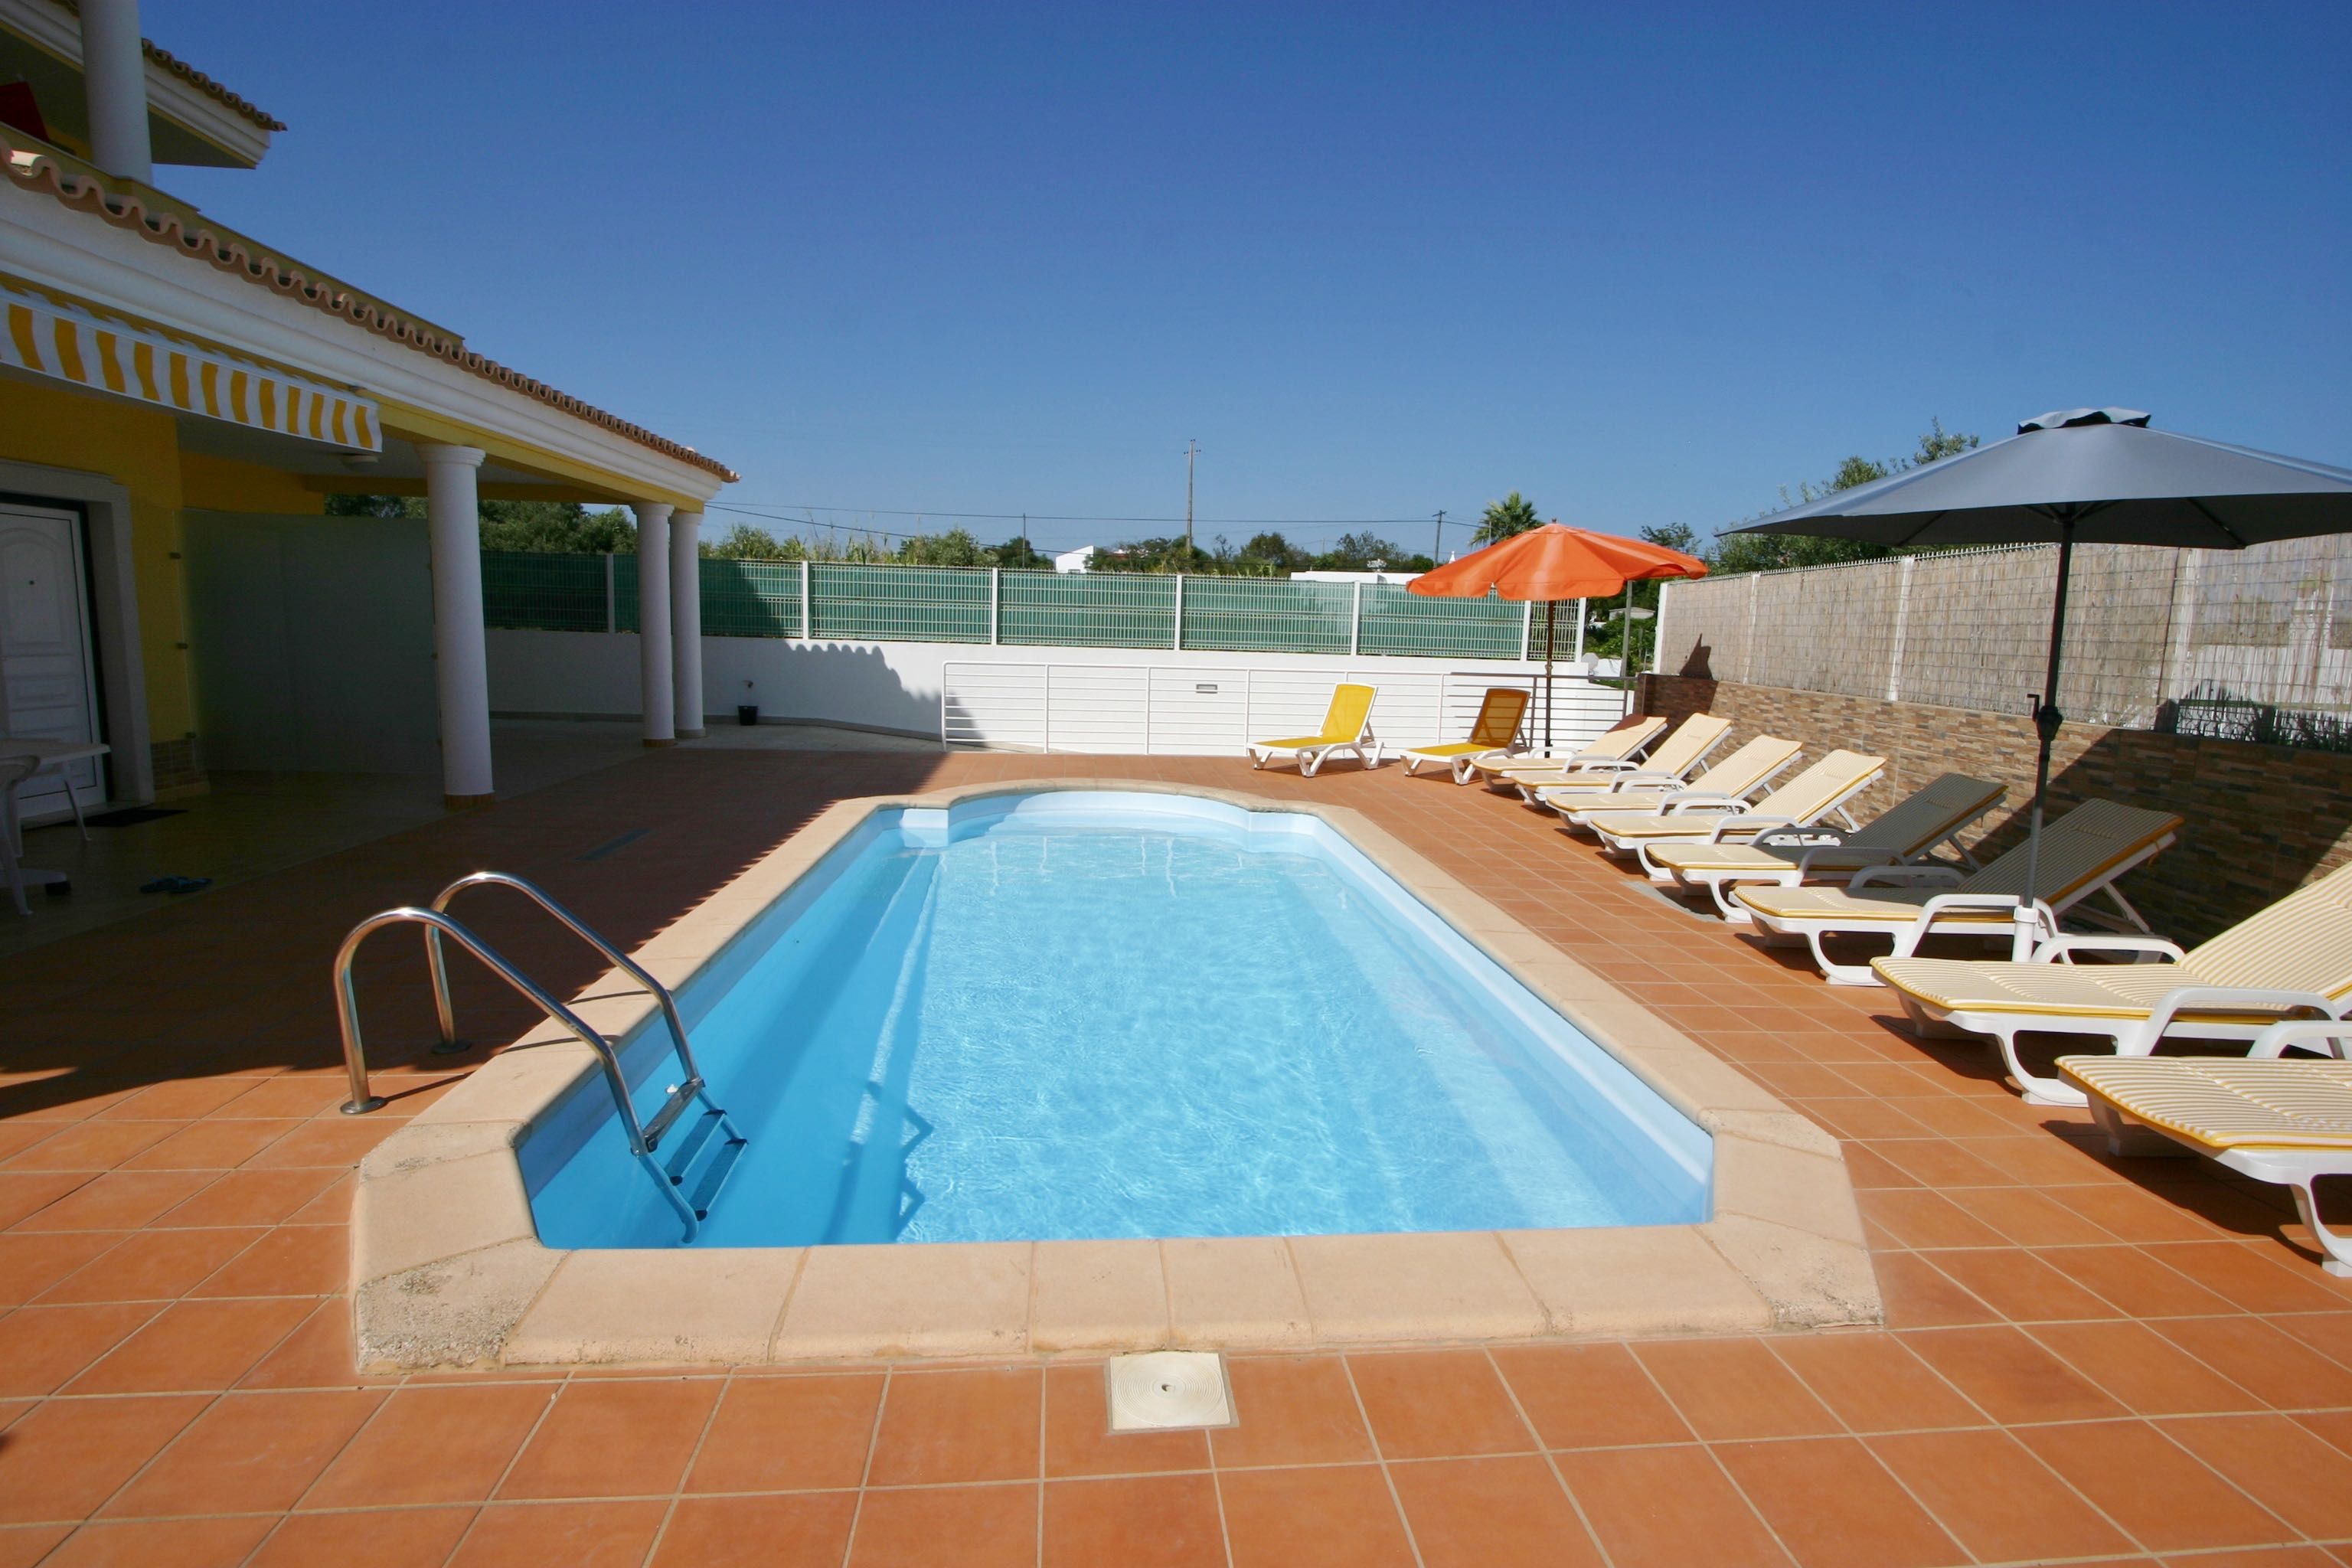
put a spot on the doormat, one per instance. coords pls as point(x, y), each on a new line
point(131, 816)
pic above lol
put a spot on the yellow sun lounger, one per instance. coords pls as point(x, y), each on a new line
point(1906, 831)
point(1494, 736)
point(1669, 763)
point(1829, 785)
point(1346, 727)
point(1617, 745)
point(2294, 957)
point(2083, 853)
point(2275, 1120)
point(1746, 771)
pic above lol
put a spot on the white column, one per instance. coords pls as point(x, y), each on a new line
point(461, 669)
point(114, 78)
point(652, 623)
point(686, 622)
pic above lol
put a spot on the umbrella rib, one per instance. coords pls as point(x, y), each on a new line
point(2207, 513)
point(1932, 518)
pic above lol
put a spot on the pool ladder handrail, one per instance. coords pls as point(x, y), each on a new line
point(681, 1095)
point(643, 1137)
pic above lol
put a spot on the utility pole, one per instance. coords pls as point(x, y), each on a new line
point(1437, 549)
point(1025, 539)
point(1191, 450)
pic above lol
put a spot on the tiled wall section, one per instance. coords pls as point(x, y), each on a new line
point(2262, 820)
point(179, 766)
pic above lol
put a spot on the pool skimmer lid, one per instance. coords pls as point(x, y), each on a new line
point(1168, 1389)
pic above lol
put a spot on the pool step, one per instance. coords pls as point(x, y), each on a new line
point(699, 1159)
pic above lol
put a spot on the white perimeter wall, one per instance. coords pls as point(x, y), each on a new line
point(1056, 699)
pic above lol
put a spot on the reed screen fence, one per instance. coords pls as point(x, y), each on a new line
point(2155, 638)
point(825, 600)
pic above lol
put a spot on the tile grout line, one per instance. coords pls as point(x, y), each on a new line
point(1551, 1461)
point(490, 1492)
point(865, 1473)
point(684, 1472)
point(1706, 1447)
point(1861, 1440)
point(1380, 1459)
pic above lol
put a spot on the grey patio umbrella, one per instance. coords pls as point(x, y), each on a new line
point(2087, 475)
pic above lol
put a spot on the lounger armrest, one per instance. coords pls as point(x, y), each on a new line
point(1945, 904)
point(1685, 799)
point(2150, 947)
point(1837, 846)
point(1642, 778)
point(1913, 876)
point(2299, 1032)
point(2213, 998)
point(1747, 825)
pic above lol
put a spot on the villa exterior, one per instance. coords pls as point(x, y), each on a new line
point(156, 367)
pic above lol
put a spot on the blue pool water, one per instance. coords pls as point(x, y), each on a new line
point(1102, 1014)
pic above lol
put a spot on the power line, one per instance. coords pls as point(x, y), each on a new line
point(760, 509)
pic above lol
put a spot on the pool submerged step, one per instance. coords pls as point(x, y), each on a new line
point(698, 1162)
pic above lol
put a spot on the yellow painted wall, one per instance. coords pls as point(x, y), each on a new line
point(217, 484)
point(138, 448)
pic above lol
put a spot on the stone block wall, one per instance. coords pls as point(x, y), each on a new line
point(2262, 820)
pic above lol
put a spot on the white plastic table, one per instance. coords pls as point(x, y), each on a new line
point(51, 756)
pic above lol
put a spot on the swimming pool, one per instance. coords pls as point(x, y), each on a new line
point(1092, 1015)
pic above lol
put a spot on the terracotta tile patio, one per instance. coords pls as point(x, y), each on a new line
point(2086, 1359)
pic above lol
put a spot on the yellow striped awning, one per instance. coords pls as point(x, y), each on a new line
point(71, 343)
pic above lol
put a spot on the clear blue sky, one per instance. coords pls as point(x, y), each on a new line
point(1378, 260)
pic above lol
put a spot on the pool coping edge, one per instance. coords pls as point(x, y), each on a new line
point(448, 1270)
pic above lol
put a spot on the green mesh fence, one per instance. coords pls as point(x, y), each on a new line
point(898, 603)
point(1125, 609)
point(1267, 615)
point(540, 593)
point(1399, 621)
point(624, 593)
point(750, 598)
point(545, 592)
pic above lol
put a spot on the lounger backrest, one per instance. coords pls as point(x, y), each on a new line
point(2078, 850)
point(1620, 741)
point(2303, 943)
point(1351, 710)
point(1749, 766)
point(1693, 739)
point(1499, 716)
point(1936, 811)
point(1817, 789)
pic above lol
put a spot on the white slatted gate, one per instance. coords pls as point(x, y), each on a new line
point(1179, 710)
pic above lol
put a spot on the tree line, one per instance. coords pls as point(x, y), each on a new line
point(569, 526)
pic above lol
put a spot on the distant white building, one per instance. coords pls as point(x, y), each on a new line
point(1078, 560)
point(1395, 579)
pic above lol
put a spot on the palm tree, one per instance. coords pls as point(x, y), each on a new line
point(1513, 515)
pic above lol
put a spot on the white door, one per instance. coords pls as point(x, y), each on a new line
point(46, 692)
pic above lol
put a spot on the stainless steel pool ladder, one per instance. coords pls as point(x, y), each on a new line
point(643, 1137)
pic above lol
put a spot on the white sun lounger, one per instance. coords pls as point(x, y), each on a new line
point(2275, 1120)
point(1738, 776)
point(1667, 766)
point(1618, 746)
point(2294, 957)
point(2083, 853)
point(1910, 830)
point(1826, 787)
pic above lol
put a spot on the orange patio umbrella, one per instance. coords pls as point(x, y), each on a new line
point(1555, 563)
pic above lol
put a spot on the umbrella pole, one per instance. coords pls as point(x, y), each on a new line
point(2046, 720)
point(1625, 650)
point(1552, 607)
